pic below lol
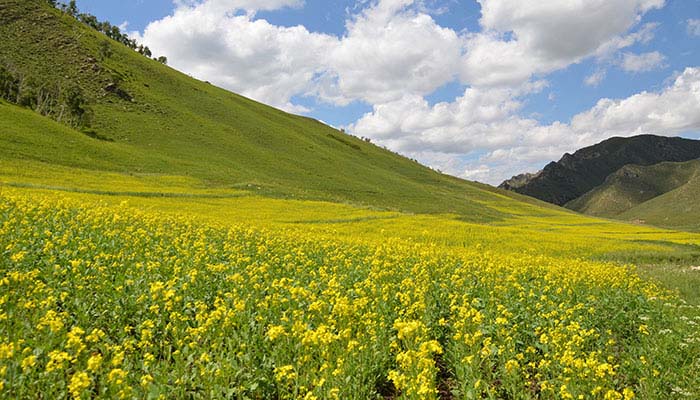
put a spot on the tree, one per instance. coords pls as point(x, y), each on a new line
point(162, 60)
point(72, 8)
point(76, 103)
point(106, 27)
point(9, 85)
point(147, 52)
point(115, 33)
point(89, 20)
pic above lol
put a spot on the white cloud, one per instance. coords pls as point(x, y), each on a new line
point(487, 120)
point(391, 50)
point(643, 35)
point(481, 119)
point(595, 78)
point(642, 62)
point(253, 57)
point(521, 39)
point(671, 111)
point(693, 27)
point(224, 6)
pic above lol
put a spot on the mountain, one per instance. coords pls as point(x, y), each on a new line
point(677, 209)
point(665, 194)
point(575, 174)
point(99, 105)
point(633, 185)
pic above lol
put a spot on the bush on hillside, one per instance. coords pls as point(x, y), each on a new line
point(64, 104)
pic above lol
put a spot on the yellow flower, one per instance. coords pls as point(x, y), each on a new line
point(6, 350)
point(612, 395)
point(57, 360)
point(51, 319)
point(95, 335)
point(512, 365)
point(28, 362)
point(285, 373)
point(116, 376)
point(117, 358)
point(94, 362)
point(628, 393)
point(78, 383)
point(146, 380)
point(275, 331)
point(75, 341)
point(17, 257)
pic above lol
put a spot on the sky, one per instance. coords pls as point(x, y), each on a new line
point(480, 89)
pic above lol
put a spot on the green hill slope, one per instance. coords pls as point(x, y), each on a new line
point(678, 208)
point(632, 185)
point(143, 117)
point(664, 194)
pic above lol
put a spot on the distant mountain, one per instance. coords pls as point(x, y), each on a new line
point(576, 174)
point(633, 185)
point(678, 208)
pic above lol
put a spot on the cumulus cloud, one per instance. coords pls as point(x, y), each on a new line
point(642, 62)
point(391, 48)
point(479, 119)
point(250, 56)
point(671, 111)
point(521, 39)
point(487, 121)
point(224, 6)
point(388, 51)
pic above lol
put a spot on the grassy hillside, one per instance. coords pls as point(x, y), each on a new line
point(678, 208)
point(632, 185)
point(664, 194)
point(143, 117)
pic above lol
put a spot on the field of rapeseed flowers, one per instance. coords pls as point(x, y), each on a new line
point(110, 302)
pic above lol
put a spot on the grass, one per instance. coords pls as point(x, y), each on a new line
point(684, 278)
point(663, 195)
point(677, 208)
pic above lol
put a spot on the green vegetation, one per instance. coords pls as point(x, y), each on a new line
point(664, 194)
point(104, 300)
point(164, 122)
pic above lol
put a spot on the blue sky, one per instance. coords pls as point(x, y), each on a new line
point(481, 90)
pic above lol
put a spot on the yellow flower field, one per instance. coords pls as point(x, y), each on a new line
point(103, 300)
